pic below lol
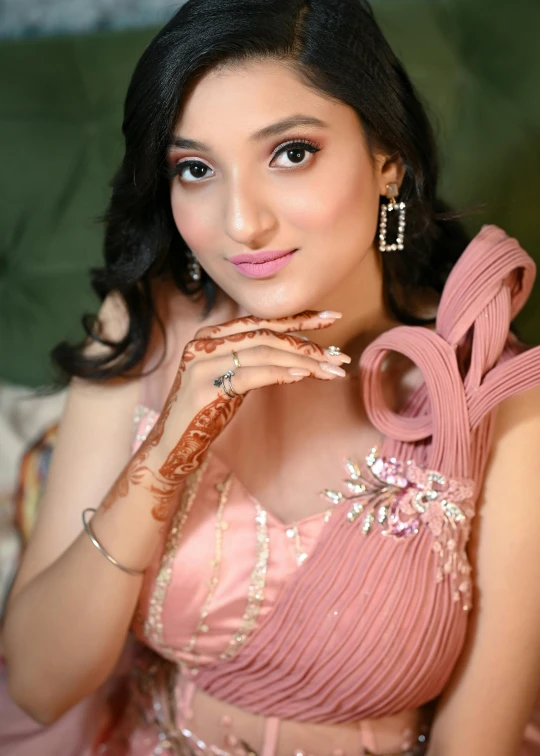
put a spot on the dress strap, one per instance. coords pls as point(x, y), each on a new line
point(271, 724)
point(271, 736)
point(186, 701)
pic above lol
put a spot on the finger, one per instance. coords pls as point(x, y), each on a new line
point(309, 320)
point(249, 378)
point(239, 342)
point(263, 356)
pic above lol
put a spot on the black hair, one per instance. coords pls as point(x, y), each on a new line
point(337, 47)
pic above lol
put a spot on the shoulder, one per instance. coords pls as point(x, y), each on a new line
point(178, 318)
point(520, 411)
point(500, 665)
point(177, 312)
point(516, 441)
point(509, 503)
point(111, 324)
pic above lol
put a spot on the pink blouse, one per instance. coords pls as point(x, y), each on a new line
point(358, 613)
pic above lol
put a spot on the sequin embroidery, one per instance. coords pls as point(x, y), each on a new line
point(401, 497)
point(140, 429)
point(256, 588)
point(221, 526)
point(153, 627)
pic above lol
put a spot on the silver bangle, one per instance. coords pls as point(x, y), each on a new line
point(99, 547)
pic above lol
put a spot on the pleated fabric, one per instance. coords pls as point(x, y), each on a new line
point(368, 627)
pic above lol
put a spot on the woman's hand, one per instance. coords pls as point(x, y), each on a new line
point(197, 411)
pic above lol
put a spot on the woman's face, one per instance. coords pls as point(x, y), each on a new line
point(275, 193)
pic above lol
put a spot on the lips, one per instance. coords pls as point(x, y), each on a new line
point(257, 258)
point(262, 264)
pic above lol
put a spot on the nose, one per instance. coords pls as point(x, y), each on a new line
point(249, 217)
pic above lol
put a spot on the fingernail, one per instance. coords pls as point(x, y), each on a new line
point(333, 369)
point(330, 315)
point(304, 338)
point(337, 354)
point(303, 372)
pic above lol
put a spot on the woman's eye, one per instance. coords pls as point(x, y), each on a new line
point(193, 171)
point(295, 153)
point(288, 155)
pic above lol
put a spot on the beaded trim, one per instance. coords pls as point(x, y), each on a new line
point(221, 526)
point(141, 434)
point(153, 627)
point(293, 533)
point(256, 588)
point(403, 496)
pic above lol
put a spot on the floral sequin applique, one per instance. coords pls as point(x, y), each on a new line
point(401, 497)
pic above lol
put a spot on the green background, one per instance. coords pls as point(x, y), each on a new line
point(474, 63)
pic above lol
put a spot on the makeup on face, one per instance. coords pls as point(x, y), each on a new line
point(294, 168)
point(262, 264)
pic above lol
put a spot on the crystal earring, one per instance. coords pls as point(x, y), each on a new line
point(392, 192)
point(193, 266)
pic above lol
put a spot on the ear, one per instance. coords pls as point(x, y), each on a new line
point(391, 171)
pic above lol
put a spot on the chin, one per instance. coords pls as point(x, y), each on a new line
point(281, 297)
point(271, 309)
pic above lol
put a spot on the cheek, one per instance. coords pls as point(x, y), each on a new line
point(195, 222)
point(337, 204)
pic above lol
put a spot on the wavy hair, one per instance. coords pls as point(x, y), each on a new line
point(337, 47)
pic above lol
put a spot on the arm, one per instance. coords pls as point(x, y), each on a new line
point(489, 699)
point(70, 608)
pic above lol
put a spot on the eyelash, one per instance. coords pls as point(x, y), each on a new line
point(307, 144)
point(290, 144)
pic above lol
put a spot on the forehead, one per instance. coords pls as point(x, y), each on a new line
point(248, 96)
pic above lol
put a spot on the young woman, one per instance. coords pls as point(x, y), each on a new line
point(323, 530)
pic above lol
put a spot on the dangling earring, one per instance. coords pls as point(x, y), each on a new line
point(392, 192)
point(194, 268)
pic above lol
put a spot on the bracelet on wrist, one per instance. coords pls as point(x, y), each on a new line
point(90, 533)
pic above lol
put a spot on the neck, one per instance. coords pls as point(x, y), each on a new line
point(360, 299)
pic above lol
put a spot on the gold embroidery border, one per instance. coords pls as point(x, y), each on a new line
point(220, 527)
point(153, 626)
point(256, 588)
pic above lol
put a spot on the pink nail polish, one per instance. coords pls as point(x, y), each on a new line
point(332, 369)
point(299, 372)
point(330, 315)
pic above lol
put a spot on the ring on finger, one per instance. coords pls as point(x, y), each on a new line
point(220, 382)
point(334, 351)
point(236, 360)
point(229, 387)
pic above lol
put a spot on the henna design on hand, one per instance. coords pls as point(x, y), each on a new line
point(207, 346)
point(186, 456)
point(253, 320)
point(190, 450)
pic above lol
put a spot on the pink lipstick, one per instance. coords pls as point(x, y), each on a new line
point(262, 264)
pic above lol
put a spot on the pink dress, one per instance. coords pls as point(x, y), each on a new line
point(358, 615)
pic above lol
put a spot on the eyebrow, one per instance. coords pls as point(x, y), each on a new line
point(274, 129)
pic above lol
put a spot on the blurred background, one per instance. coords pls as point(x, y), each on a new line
point(64, 69)
point(39, 17)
